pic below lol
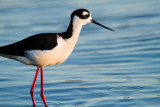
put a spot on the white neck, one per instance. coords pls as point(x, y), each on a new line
point(77, 26)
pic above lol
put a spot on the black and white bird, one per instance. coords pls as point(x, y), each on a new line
point(47, 49)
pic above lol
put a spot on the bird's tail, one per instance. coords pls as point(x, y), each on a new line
point(0, 50)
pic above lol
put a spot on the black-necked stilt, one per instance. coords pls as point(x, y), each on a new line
point(48, 48)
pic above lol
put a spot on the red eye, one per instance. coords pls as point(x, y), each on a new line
point(86, 16)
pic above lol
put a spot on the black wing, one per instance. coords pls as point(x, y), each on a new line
point(44, 41)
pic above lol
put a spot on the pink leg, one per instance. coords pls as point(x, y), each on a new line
point(33, 85)
point(42, 91)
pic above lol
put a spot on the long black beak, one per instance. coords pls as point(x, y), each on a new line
point(93, 21)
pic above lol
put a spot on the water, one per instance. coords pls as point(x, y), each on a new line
point(106, 69)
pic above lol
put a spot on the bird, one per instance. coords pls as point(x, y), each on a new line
point(46, 49)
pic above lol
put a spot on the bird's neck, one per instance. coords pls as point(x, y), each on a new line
point(74, 29)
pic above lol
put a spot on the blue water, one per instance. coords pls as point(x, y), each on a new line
point(106, 69)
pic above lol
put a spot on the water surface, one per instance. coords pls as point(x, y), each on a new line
point(106, 69)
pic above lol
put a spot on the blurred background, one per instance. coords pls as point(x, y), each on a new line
point(106, 69)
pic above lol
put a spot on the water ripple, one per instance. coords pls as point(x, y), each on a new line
point(106, 69)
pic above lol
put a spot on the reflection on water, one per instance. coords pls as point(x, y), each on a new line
point(106, 69)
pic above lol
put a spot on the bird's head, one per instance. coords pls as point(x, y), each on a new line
point(83, 17)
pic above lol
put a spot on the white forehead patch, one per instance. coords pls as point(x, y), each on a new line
point(85, 13)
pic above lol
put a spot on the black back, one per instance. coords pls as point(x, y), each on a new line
point(44, 41)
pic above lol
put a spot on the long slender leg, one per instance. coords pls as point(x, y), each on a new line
point(42, 91)
point(33, 85)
